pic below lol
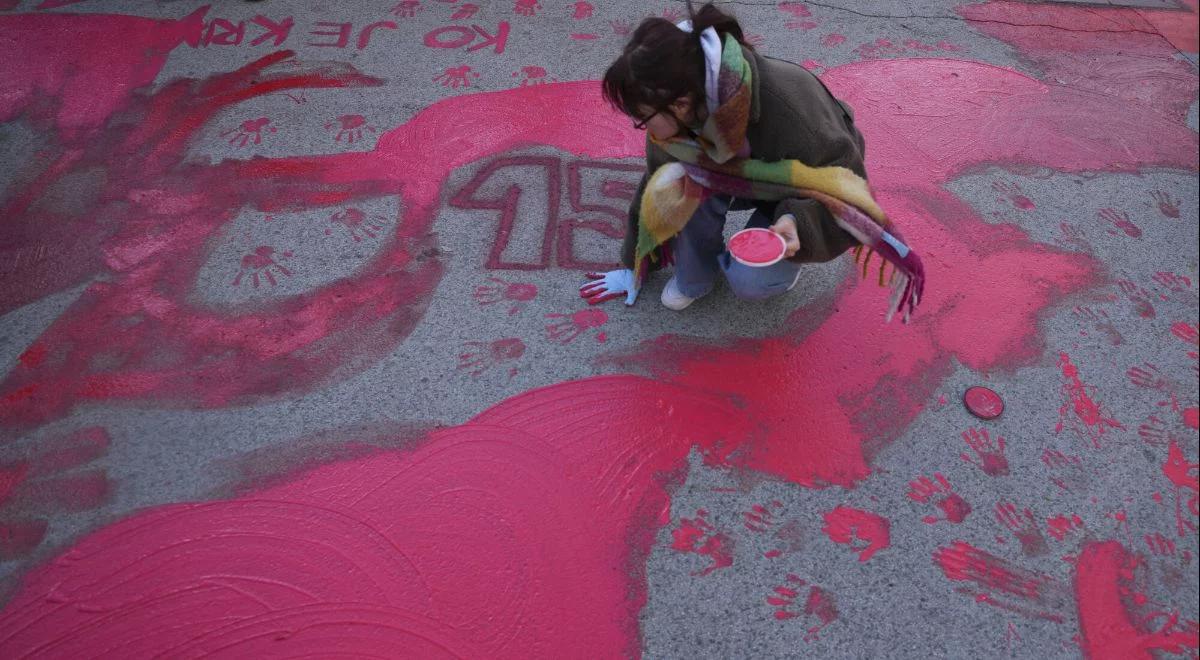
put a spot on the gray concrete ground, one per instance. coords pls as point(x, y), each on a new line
point(164, 453)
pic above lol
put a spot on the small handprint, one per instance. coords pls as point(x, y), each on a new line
point(249, 132)
point(621, 28)
point(819, 603)
point(456, 76)
point(407, 8)
point(925, 489)
point(697, 535)
point(1173, 282)
point(1147, 376)
point(480, 356)
point(526, 7)
point(990, 454)
point(1160, 545)
point(357, 223)
point(1072, 237)
point(833, 40)
point(464, 12)
point(1066, 470)
point(1061, 526)
point(761, 517)
point(1014, 194)
point(533, 75)
point(672, 14)
point(583, 10)
point(500, 291)
point(1155, 432)
point(1139, 297)
point(1101, 321)
point(350, 128)
point(261, 264)
point(1023, 526)
point(1167, 206)
point(568, 327)
point(1188, 332)
point(1120, 220)
point(756, 40)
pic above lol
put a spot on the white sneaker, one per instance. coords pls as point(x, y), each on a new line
point(673, 298)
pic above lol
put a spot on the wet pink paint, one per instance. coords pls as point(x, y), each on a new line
point(865, 532)
point(757, 246)
point(360, 542)
point(1085, 416)
point(1103, 573)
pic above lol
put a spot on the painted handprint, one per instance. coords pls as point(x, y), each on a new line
point(526, 7)
point(1120, 220)
point(1155, 432)
point(621, 28)
point(761, 517)
point(357, 223)
point(1013, 193)
point(990, 454)
point(672, 14)
point(249, 132)
point(480, 356)
point(1072, 237)
point(1167, 205)
point(350, 128)
point(756, 40)
point(1188, 332)
point(533, 75)
point(1101, 321)
point(697, 535)
point(456, 76)
point(819, 603)
point(464, 12)
point(565, 328)
point(1062, 526)
point(1138, 296)
point(500, 291)
point(939, 491)
point(864, 532)
point(1172, 281)
point(583, 10)
point(262, 265)
point(407, 8)
point(1023, 526)
point(1066, 470)
point(801, 16)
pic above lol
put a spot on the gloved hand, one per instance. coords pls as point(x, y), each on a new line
point(606, 286)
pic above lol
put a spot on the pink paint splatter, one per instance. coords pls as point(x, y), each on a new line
point(1061, 526)
point(1087, 418)
point(866, 533)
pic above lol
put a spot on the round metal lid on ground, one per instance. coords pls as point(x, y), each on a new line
point(983, 403)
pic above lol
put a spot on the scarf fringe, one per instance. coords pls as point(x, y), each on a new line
point(907, 289)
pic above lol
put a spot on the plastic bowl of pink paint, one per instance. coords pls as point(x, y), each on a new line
point(757, 248)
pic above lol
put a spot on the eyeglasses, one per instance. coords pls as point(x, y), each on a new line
point(641, 125)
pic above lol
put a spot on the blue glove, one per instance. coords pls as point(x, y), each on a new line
point(606, 286)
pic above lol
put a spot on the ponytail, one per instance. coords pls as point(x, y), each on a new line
point(662, 63)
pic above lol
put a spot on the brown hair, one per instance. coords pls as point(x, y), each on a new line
point(662, 63)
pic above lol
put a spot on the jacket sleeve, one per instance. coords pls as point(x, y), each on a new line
point(655, 158)
point(821, 239)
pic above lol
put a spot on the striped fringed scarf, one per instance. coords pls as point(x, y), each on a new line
point(717, 160)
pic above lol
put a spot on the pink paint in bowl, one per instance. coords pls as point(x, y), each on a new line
point(757, 247)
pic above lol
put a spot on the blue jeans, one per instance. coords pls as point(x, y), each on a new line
point(700, 253)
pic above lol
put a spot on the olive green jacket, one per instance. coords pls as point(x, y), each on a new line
point(792, 116)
